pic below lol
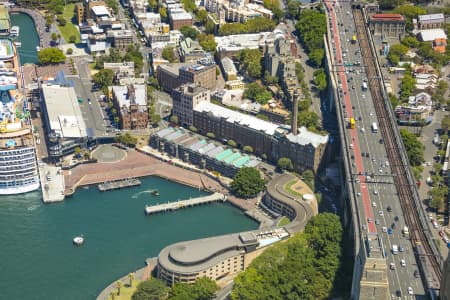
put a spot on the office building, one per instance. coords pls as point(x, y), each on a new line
point(64, 123)
point(432, 21)
point(202, 73)
point(131, 105)
point(185, 98)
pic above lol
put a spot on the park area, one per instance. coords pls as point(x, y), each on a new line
point(69, 29)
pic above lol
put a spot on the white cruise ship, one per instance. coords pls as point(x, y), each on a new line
point(18, 169)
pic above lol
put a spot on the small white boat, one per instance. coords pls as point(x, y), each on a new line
point(15, 30)
point(78, 240)
point(18, 44)
point(38, 48)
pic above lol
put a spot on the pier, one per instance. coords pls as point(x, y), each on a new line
point(153, 209)
point(118, 184)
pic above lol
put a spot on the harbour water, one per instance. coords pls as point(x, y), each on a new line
point(28, 37)
point(38, 260)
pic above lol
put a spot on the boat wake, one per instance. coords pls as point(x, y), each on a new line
point(137, 195)
point(33, 207)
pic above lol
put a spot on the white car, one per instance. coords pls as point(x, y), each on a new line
point(384, 229)
point(375, 192)
point(403, 263)
point(374, 204)
point(410, 291)
point(380, 213)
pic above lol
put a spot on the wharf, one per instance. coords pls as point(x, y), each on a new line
point(118, 184)
point(153, 209)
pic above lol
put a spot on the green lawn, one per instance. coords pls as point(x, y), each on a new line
point(126, 292)
point(69, 29)
point(288, 188)
point(283, 221)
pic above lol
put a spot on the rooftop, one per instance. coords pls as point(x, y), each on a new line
point(180, 16)
point(237, 117)
point(241, 41)
point(100, 10)
point(431, 18)
point(124, 99)
point(63, 111)
point(387, 17)
point(430, 35)
point(198, 255)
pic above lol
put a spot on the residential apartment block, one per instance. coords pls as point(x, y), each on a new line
point(185, 98)
point(202, 73)
point(432, 21)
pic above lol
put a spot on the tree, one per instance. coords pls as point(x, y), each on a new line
point(396, 52)
point(393, 99)
point(153, 4)
point(54, 36)
point(251, 62)
point(207, 42)
point(163, 13)
point(119, 285)
point(72, 39)
point(77, 151)
point(173, 119)
point(153, 289)
point(232, 143)
point(202, 16)
point(189, 32)
point(407, 87)
point(411, 42)
point(61, 21)
point(274, 6)
point(258, 24)
point(69, 51)
point(269, 79)
point(189, 5)
point(203, 289)
point(414, 148)
point(309, 119)
point(131, 278)
point(304, 267)
point(312, 25)
point(49, 21)
point(104, 78)
point(210, 27)
point(320, 79)
point(168, 54)
point(247, 182)
point(308, 178)
point(410, 12)
point(211, 135)
point(248, 149)
point(316, 57)
point(445, 124)
point(51, 56)
point(257, 93)
point(285, 163)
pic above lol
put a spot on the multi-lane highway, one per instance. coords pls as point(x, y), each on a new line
point(372, 179)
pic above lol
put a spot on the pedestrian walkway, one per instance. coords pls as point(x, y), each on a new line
point(45, 37)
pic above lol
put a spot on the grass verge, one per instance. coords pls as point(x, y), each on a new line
point(288, 188)
point(125, 292)
point(283, 221)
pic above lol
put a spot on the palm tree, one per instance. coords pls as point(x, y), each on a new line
point(131, 277)
point(113, 295)
point(119, 286)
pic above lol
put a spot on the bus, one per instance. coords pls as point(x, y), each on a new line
point(374, 127)
point(394, 249)
point(354, 39)
point(352, 123)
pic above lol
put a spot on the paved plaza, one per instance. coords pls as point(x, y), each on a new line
point(109, 154)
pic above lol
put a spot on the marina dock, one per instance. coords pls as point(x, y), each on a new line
point(153, 209)
point(118, 184)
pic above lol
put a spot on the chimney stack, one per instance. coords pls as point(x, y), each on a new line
point(294, 123)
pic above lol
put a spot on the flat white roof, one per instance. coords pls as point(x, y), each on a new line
point(181, 16)
point(121, 93)
point(63, 111)
point(432, 17)
point(100, 10)
point(241, 41)
point(237, 117)
point(430, 35)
